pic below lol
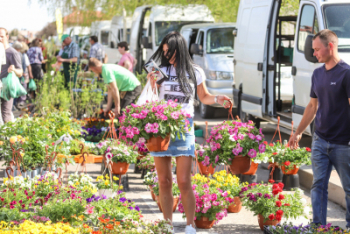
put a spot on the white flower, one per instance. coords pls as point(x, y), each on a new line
point(303, 201)
point(265, 159)
point(232, 138)
point(307, 210)
point(257, 161)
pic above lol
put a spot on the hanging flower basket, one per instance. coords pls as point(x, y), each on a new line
point(204, 223)
point(240, 164)
point(293, 171)
point(206, 170)
point(120, 168)
point(236, 206)
point(158, 144)
point(263, 223)
point(252, 170)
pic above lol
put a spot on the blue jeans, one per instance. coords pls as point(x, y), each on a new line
point(324, 156)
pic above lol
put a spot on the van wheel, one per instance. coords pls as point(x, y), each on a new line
point(207, 112)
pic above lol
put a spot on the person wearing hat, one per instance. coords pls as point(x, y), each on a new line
point(70, 58)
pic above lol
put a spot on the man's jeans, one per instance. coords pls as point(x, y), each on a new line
point(324, 156)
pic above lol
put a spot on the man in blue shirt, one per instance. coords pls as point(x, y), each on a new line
point(70, 58)
point(330, 107)
point(96, 50)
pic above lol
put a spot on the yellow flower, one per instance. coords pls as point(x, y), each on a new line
point(107, 177)
point(5, 180)
point(13, 139)
point(106, 182)
point(121, 187)
point(228, 192)
point(115, 178)
point(77, 183)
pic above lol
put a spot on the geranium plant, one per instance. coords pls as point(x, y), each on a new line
point(289, 228)
point(268, 201)
point(230, 139)
point(153, 119)
point(118, 151)
point(290, 158)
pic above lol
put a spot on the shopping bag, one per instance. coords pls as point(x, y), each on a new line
point(31, 85)
point(12, 88)
point(147, 94)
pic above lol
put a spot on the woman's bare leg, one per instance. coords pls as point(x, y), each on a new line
point(165, 180)
point(183, 172)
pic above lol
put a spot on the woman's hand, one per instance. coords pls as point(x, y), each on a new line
point(224, 101)
point(152, 77)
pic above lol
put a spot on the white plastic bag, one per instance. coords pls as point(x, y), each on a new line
point(147, 94)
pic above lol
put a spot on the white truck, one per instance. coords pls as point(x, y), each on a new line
point(264, 50)
point(161, 20)
point(211, 47)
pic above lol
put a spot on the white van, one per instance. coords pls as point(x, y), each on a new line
point(211, 47)
point(267, 43)
point(161, 20)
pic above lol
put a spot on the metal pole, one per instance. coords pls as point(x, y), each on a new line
point(124, 22)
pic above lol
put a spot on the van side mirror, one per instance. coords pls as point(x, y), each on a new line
point(112, 45)
point(147, 42)
point(196, 50)
point(308, 51)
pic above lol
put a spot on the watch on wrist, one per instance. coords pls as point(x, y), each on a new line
point(216, 99)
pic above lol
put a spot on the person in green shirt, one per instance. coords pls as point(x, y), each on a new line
point(123, 86)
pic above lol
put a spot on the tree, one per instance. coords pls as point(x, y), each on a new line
point(48, 31)
point(14, 32)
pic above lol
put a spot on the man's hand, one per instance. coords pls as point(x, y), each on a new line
point(11, 69)
point(61, 60)
point(294, 141)
point(30, 75)
point(106, 111)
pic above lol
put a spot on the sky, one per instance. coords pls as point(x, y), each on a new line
point(22, 15)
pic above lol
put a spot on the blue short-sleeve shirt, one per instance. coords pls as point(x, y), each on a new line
point(332, 90)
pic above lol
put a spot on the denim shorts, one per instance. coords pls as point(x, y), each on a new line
point(180, 147)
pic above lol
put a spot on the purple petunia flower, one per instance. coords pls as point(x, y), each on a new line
point(89, 200)
point(104, 196)
point(137, 208)
point(122, 199)
point(130, 207)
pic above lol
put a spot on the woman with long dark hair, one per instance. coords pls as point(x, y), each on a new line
point(184, 80)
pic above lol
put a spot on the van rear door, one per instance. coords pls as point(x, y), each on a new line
point(251, 50)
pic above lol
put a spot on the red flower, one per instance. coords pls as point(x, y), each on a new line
point(279, 212)
point(281, 185)
point(265, 142)
point(271, 181)
point(280, 197)
point(274, 153)
point(23, 205)
point(287, 204)
point(308, 149)
point(271, 217)
point(275, 186)
point(278, 203)
point(278, 141)
point(287, 163)
point(53, 143)
point(271, 144)
point(278, 217)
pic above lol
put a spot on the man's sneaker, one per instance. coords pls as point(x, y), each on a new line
point(190, 230)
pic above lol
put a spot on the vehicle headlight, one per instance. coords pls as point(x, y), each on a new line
point(216, 75)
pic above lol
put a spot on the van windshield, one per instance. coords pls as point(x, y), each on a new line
point(165, 27)
point(337, 18)
point(220, 41)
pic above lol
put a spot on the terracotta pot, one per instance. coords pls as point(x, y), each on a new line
point(158, 144)
point(120, 168)
point(176, 201)
point(252, 170)
point(204, 170)
point(153, 196)
point(240, 164)
point(266, 223)
point(204, 223)
point(236, 206)
point(290, 172)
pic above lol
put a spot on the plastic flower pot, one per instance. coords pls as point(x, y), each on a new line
point(236, 206)
point(120, 168)
point(240, 164)
point(34, 172)
point(252, 170)
point(29, 173)
point(204, 223)
point(205, 170)
point(107, 192)
point(158, 144)
point(290, 172)
point(263, 223)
